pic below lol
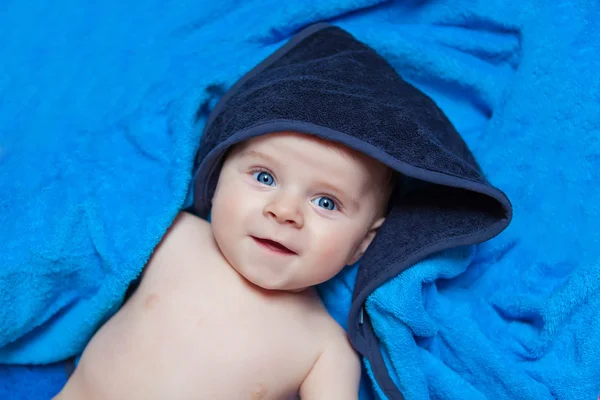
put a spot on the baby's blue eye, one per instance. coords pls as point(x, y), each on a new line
point(325, 202)
point(264, 177)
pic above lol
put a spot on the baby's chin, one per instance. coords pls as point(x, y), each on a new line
point(276, 286)
point(273, 284)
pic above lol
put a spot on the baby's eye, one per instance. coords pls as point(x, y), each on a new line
point(264, 177)
point(325, 202)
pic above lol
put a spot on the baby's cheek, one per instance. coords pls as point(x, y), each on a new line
point(226, 199)
point(335, 249)
point(223, 213)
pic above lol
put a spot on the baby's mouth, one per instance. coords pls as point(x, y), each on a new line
point(273, 246)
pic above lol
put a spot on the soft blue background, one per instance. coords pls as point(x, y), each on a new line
point(97, 141)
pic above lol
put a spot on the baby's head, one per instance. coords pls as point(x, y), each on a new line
point(291, 210)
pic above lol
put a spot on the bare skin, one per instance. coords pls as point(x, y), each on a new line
point(228, 310)
point(196, 329)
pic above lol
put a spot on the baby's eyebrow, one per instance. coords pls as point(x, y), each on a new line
point(341, 193)
point(256, 154)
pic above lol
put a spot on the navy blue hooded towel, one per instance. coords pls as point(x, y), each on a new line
point(326, 83)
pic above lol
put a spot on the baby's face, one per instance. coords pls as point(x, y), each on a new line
point(290, 211)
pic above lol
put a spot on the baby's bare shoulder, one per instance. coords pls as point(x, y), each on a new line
point(187, 244)
point(187, 232)
point(330, 331)
point(186, 224)
point(336, 337)
point(336, 372)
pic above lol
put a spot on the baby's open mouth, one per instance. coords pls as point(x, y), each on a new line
point(273, 245)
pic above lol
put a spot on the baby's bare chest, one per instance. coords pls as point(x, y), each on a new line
point(212, 333)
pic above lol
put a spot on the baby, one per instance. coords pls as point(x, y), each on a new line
point(228, 309)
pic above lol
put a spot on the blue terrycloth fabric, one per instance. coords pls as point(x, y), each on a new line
point(98, 137)
point(96, 144)
point(27, 382)
point(520, 317)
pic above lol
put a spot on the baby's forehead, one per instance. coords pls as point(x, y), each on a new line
point(268, 143)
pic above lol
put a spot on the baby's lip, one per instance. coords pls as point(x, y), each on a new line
point(274, 245)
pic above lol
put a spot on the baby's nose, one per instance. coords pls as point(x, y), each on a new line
point(285, 210)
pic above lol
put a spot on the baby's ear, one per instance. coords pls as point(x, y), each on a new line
point(364, 245)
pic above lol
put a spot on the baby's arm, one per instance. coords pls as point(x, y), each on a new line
point(335, 375)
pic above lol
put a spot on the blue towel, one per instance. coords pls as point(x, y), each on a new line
point(98, 107)
point(95, 102)
point(519, 317)
point(31, 382)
